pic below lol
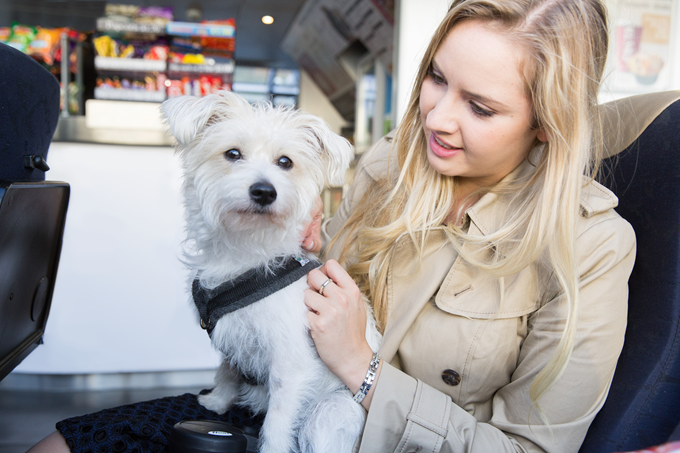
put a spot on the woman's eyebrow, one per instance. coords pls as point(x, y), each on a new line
point(435, 66)
point(484, 99)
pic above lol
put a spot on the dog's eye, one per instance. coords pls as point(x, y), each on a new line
point(233, 154)
point(285, 163)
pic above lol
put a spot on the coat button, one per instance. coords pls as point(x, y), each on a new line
point(451, 377)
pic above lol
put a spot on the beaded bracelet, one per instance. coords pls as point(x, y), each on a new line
point(368, 380)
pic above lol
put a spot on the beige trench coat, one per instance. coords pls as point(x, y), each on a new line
point(458, 366)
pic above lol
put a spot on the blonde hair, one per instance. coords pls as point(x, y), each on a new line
point(566, 46)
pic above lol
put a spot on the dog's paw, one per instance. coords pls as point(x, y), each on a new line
point(215, 402)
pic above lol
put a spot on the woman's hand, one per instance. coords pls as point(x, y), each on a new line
point(337, 320)
point(311, 238)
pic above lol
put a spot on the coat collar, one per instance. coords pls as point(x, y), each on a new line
point(486, 213)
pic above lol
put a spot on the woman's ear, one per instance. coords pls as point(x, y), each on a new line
point(543, 135)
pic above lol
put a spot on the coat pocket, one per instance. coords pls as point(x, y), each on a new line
point(469, 292)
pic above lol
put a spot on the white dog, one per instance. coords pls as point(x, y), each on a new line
point(252, 176)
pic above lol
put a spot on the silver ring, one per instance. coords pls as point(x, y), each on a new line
point(323, 286)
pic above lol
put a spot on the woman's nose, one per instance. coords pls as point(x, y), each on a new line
point(444, 116)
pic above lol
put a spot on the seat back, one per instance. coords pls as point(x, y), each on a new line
point(32, 212)
point(643, 406)
point(32, 217)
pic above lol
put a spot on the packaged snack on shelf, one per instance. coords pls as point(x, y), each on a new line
point(105, 46)
point(184, 44)
point(21, 36)
point(187, 86)
point(44, 46)
point(206, 85)
point(157, 53)
point(175, 88)
point(122, 13)
point(161, 82)
point(219, 46)
point(210, 84)
point(4, 33)
point(126, 51)
point(218, 84)
point(158, 15)
point(144, 83)
point(73, 106)
point(193, 58)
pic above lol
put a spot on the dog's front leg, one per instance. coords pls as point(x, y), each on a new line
point(221, 398)
point(286, 394)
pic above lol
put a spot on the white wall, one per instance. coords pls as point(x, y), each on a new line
point(121, 302)
point(417, 21)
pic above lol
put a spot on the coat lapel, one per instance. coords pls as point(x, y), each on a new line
point(411, 287)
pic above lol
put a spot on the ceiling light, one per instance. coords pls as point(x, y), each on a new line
point(268, 20)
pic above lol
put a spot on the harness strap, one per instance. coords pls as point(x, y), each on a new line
point(248, 288)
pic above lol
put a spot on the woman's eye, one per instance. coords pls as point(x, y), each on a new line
point(233, 154)
point(479, 111)
point(436, 78)
point(285, 163)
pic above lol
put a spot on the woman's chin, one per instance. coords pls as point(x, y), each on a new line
point(444, 165)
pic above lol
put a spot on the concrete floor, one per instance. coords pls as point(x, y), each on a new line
point(27, 416)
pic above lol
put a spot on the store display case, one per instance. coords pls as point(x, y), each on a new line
point(143, 55)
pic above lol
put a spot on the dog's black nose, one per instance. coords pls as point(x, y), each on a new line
point(263, 193)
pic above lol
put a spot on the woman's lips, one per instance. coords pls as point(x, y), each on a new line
point(442, 149)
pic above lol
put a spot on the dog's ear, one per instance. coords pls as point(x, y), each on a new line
point(336, 151)
point(187, 116)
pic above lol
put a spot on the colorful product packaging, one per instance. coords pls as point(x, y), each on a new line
point(4, 33)
point(21, 36)
point(44, 46)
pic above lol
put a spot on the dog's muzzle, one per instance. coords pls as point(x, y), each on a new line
point(263, 193)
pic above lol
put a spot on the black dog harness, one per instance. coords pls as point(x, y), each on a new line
point(249, 287)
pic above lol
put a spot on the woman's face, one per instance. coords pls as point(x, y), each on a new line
point(474, 107)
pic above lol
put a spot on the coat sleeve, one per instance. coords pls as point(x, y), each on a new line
point(407, 415)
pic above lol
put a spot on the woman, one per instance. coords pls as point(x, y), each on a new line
point(495, 268)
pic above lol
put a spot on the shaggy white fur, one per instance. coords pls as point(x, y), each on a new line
point(252, 175)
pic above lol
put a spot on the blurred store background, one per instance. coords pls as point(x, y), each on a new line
point(121, 317)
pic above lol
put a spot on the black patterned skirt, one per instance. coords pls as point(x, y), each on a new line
point(142, 427)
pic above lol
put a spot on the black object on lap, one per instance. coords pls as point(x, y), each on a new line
point(207, 436)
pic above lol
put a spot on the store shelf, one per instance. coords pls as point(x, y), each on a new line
point(218, 68)
point(111, 26)
point(123, 94)
point(129, 64)
point(205, 30)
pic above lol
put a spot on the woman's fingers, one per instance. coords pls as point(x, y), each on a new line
point(311, 238)
point(316, 279)
point(333, 270)
point(313, 301)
